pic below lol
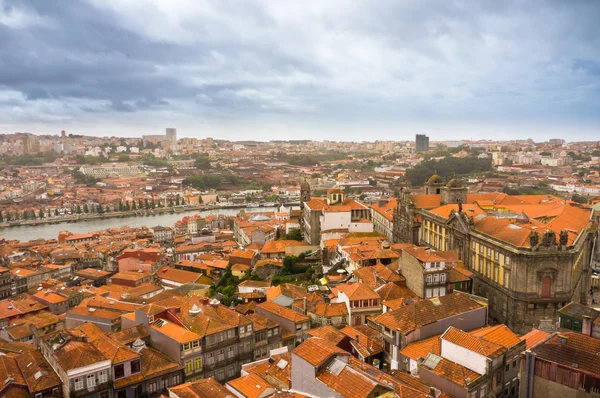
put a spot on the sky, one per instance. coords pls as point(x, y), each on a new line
point(346, 70)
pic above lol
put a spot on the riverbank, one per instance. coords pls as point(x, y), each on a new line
point(74, 218)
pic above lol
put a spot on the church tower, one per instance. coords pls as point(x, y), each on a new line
point(434, 185)
point(454, 192)
point(304, 191)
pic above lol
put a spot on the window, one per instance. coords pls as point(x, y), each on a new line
point(269, 333)
point(119, 371)
point(506, 278)
point(344, 320)
point(211, 359)
point(186, 346)
point(496, 256)
point(197, 364)
point(230, 353)
point(507, 260)
point(428, 278)
point(221, 356)
point(515, 363)
point(135, 366)
point(443, 278)
point(189, 366)
point(481, 249)
point(196, 344)
point(91, 381)
point(436, 278)
point(78, 383)
point(102, 376)
point(103, 394)
point(152, 387)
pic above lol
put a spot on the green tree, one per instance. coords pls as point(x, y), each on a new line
point(100, 209)
point(86, 208)
point(120, 206)
point(78, 209)
point(294, 234)
point(41, 214)
point(8, 216)
point(140, 205)
point(56, 212)
point(25, 215)
point(127, 205)
point(1, 217)
point(177, 200)
point(170, 202)
point(133, 205)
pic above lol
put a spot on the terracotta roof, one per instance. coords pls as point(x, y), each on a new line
point(422, 348)
point(421, 313)
point(77, 354)
point(572, 350)
point(499, 334)
point(371, 275)
point(349, 383)
point(317, 351)
point(328, 333)
point(358, 291)
point(128, 336)
point(391, 291)
point(204, 388)
point(387, 209)
point(283, 312)
point(328, 310)
point(176, 332)
point(251, 386)
point(449, 370)
point(279, 246)
point(473, 343)
point(114, 351)
point(534, 337)
point(459, 274)
point(38, 374)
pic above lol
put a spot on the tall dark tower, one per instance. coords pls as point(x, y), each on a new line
point(304, 191)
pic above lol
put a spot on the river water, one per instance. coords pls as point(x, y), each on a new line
point(50, 231)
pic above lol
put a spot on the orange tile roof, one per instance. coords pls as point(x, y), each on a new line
point(317, 351)
point(328, 333)
point(499, 334)
point(473, 343)
point(421, 313)
point(387, 209)
point(114, 351)
point(279, 246)
point(328, 310)
point(37, 373)
point(251, 386)
point(283, 312)
point(451, 371)
point(204, 388)
point(422, 348)
point(77, 354)
point(358, 291)
point(534, 337)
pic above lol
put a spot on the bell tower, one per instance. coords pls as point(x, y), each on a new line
point(304, 191)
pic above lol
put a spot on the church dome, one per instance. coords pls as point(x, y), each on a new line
point(304, 184)
point(435, 179)
point(454, 183)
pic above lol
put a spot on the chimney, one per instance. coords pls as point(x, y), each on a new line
point(304, 305)
point(587, 325)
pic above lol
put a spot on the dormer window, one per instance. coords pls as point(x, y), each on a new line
point(136, 366)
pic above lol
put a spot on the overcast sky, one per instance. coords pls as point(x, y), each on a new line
point(317, 69)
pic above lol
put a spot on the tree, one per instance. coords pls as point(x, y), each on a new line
point(202, 163)
point(127, 205)
point(56, 212)
point(78, 209)
point(133, 205)
point(1, 217)
point(8, 216)
point(140, 205)
point(177, 200)
point(41, 214)
point(170, 202)
point(120, 206)
point(25, 215)
point(100, 209)
point(294, 234)
point(152, 203)
point(86, 208)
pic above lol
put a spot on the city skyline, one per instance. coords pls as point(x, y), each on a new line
point(341, 70)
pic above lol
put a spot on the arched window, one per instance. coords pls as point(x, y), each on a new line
point(546, 287)
point(437, 191)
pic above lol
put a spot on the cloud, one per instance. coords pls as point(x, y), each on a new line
point(142, 64)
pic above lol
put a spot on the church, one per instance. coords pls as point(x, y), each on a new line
point(530, 254)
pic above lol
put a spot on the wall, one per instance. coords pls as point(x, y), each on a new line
point(304, 381)
point(462, 356)
point(412, 271)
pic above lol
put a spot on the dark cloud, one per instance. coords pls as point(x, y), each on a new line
point(321, 61)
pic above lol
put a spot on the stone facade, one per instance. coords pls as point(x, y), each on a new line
point(524, 285)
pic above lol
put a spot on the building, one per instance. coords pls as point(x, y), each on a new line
point(162, 235)
point(480, 364)
point(426, 271)
point(382, 214)
point(208, 340)
point(332, 217)
point(527, 253)
point(361, 301)
point(290, 320)
point(562, 365)
point(426, 318)
point(421, 143)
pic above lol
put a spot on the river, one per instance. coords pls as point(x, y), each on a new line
point(50, 231)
